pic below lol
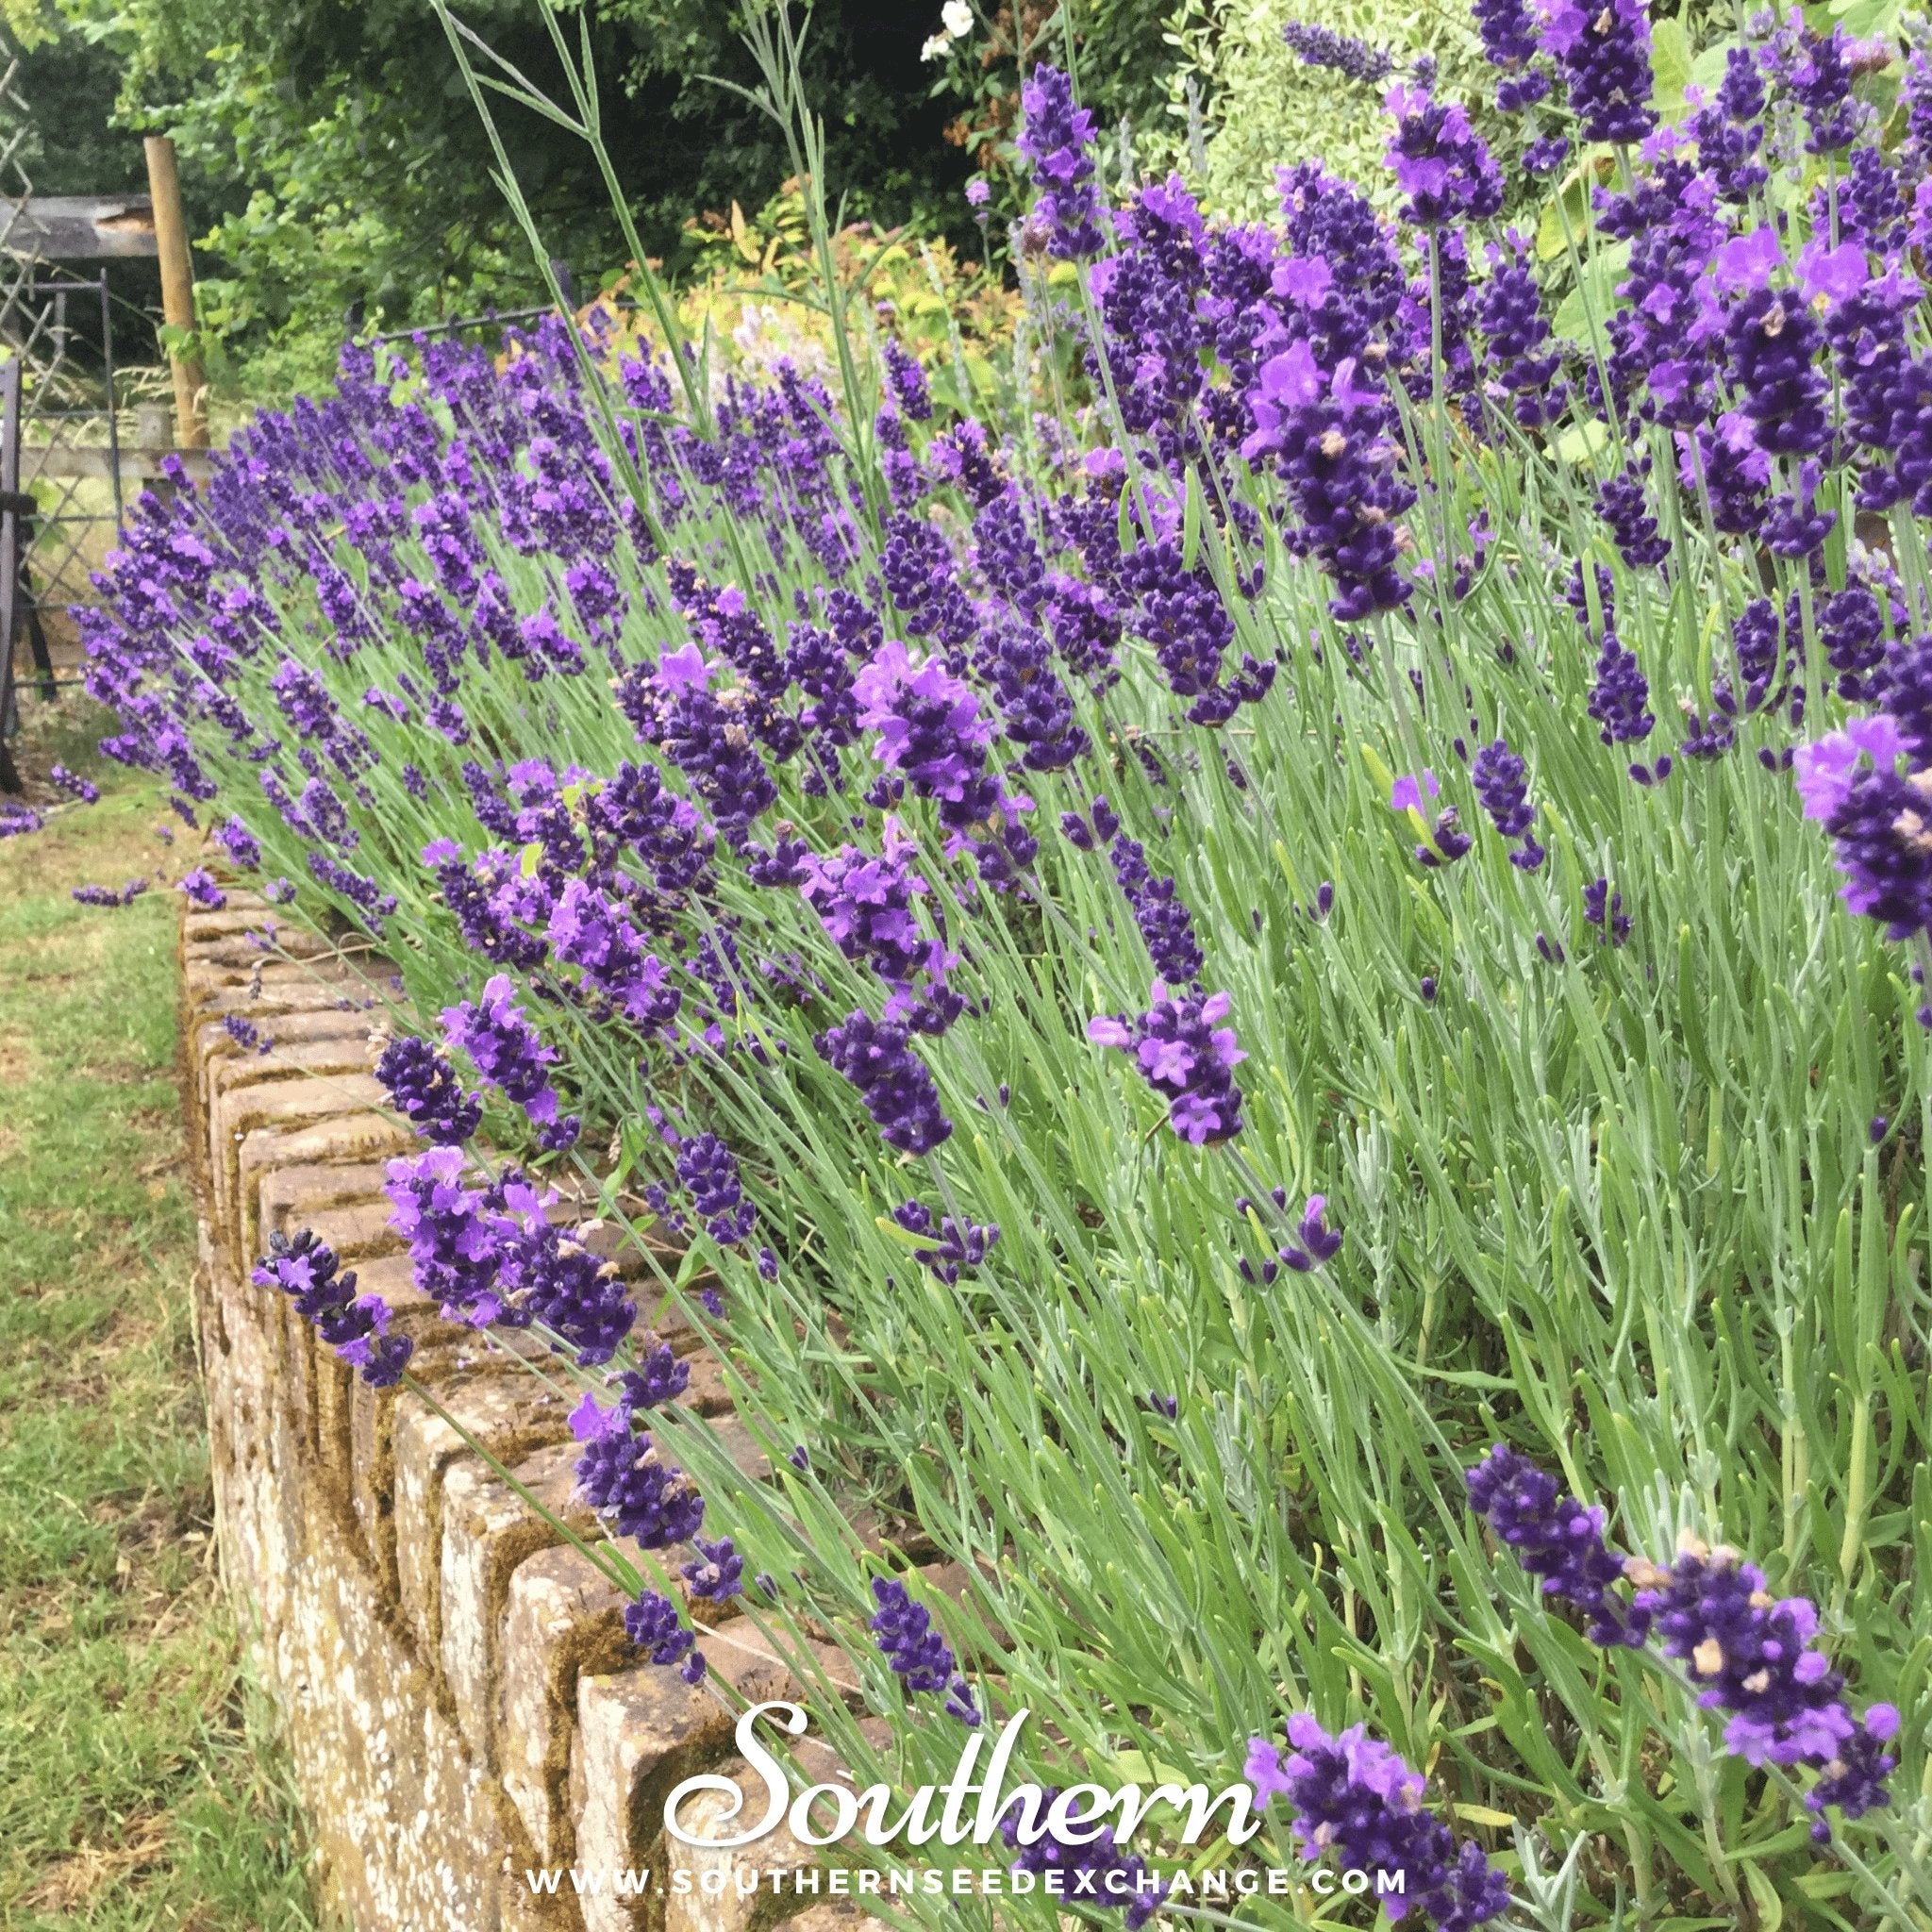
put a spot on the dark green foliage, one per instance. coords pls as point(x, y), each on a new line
point(334, 164)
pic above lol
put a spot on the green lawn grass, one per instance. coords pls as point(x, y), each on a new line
point(139, 1786)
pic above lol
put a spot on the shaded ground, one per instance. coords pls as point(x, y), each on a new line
point(138, 1786)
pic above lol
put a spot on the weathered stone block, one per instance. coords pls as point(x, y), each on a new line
point(487, 1529)
point(510, 1416)
point(562, 1617)
point(641, 1731)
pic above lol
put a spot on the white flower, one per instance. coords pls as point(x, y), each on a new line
point(957, 18)
point(936, 47)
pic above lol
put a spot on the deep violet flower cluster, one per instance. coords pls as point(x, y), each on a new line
point(1165, 922)
point(652, 1624)
point(1351, 1795)
point(1322, 47)
point(1056, 136)
point(958, 1248)
point(1502, 782)
point(1749, 1655)
point(355, 1326)
point(897, 1088)
point(498, 1037)
point(423, 1089)
point(709, 1170)
point(1095, 1871)
point(623, 1478)
point(919, 1657)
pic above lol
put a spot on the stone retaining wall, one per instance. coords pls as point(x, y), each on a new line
point(458, 1697)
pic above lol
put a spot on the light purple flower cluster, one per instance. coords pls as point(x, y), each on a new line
point(1880, 820)
point(1186, 1057)
point(934, 736)
point(75, 786)
point(1352, 1795)
point(1439, 161)
point(865, 903)
point(456, 1234)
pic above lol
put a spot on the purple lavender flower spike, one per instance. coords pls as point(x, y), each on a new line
point(1322, 46)
point(1604, 910)
point(423, 1087)
point(1165, 922)
point(897, 1090)
point(653, 1626)
point(1186, 1057)
point(1603, 56)
point(547, 1277)
point(660, 1376)
point(1056, 136)
point(1854, 1777)
point(453, 1240)
point(1749, 1654)
point(709, 1170)
point(919, 1657)
point(1096, 1872)
point(202, 891)
point(75, 786)
point(1318, 1241)
point(717, 1573)
point(498, 1037)
point(625, 1479)
point(959, 1249)
point(356, 1327)
point(1557, 1539)
point(1439, 161)
point(1352, 1794)
point(244, 853)
point(1502, 782)
point(246, 1034)
point(106, 895)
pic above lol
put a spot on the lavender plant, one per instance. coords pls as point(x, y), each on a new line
point(963, 875)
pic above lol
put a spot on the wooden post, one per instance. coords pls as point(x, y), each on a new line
point(178, 285)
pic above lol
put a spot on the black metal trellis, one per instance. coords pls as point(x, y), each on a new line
point(48, 400)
